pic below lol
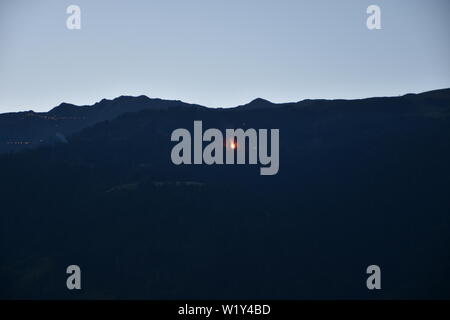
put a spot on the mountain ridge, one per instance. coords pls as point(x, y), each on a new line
point(254, 101)
point(29, 129)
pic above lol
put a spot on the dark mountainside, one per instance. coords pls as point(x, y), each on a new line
point(361, 182)
point(25, 130)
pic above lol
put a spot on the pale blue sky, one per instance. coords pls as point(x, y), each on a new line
point(219, 53)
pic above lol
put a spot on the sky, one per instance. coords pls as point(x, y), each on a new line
point(219, 53)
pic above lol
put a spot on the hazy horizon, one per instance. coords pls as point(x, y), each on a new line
point(215, 107)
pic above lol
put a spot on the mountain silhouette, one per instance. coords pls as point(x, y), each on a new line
point(34, 129)
point(25, 130)
point(361, 182)
point(258, 103)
